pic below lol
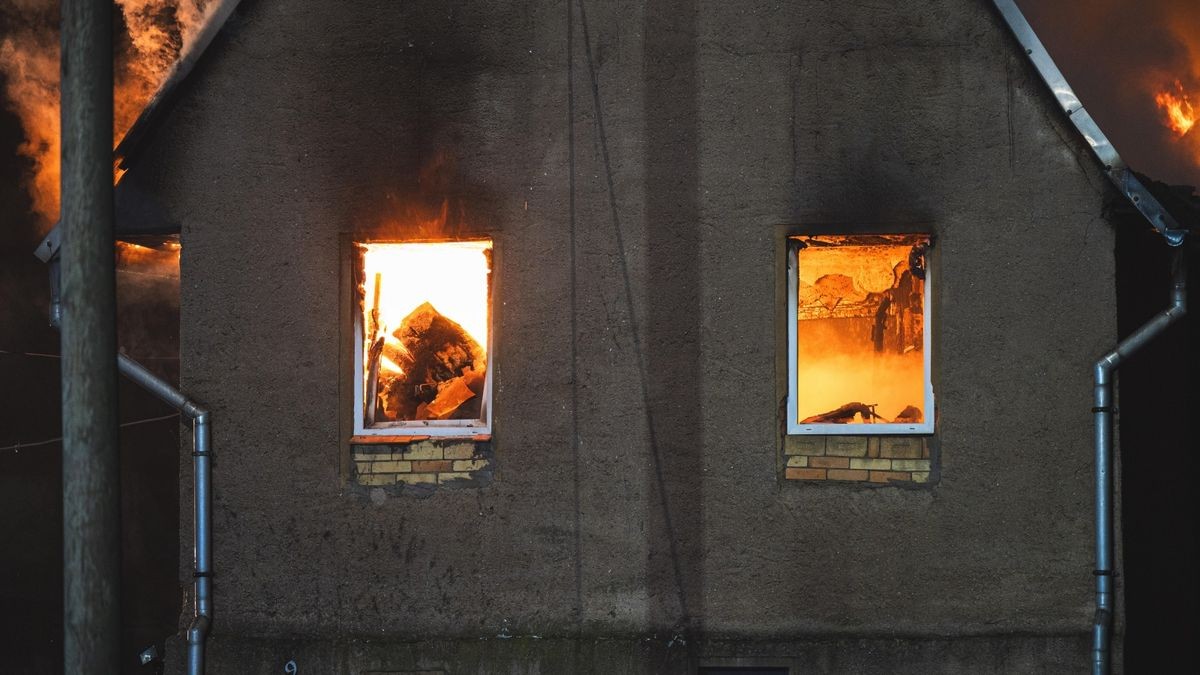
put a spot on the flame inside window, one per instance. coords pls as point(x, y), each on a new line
point(424, 334)
point(860, 338)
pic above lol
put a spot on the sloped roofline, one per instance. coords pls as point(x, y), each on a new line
point(1126, 182)
point(1115, 168)
point(160, 104)
point(129, 201)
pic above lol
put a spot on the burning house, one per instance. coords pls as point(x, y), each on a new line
point(584, 337)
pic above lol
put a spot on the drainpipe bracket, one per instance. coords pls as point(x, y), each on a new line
point(48, 249)
point(197, 631)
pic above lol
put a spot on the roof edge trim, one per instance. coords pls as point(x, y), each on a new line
point(1114, 167)
point(158, 104)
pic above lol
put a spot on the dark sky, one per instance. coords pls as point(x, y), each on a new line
point(1117, 54)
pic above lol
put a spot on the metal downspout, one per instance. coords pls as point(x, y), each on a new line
point(1165, 223)
point(1103, 409)
point(197, 632)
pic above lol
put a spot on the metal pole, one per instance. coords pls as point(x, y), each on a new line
point(91, 492)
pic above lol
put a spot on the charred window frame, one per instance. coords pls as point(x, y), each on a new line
point(369, 424)
point(800, 380)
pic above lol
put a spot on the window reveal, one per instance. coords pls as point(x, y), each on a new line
point(858, 329)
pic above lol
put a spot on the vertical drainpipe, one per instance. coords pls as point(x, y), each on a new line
point(1103, 409)
point(197, 632)
point(90, 458)
point(1129, 185)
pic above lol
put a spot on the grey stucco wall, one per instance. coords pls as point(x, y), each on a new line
point(708, 128)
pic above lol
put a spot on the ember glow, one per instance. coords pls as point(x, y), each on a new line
point(860, 330)
point(425, 317)
point(156, 33)
point(159, 260)
point(1179, 113)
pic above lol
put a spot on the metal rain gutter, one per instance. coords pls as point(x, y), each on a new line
point(1114, 167)
point(197, 632)
point(1103, 409)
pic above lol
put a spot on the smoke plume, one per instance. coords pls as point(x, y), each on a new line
point(154, 32)
point(1121, 58)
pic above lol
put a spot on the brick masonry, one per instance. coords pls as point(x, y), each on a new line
point(424, 464)
point(858, 459)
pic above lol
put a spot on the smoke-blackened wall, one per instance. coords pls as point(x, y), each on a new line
point(638, 169)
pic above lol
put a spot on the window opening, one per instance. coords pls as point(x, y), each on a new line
point(423, 334)
point(858, 335)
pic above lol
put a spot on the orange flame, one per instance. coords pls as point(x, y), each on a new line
point(450, 275)
point(425, 319)
point(1180, 114)
point(157, 31)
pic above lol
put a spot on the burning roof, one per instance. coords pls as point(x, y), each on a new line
point(164, 41)
point(1181, 117)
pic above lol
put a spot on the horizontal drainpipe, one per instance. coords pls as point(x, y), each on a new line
point(197, 632)
point(1105, 367)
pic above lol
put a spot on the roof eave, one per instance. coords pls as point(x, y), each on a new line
point(160, 104)
point(136, 211)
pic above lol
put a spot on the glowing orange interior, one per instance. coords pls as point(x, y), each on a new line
point(860, 334)
point(425, 315)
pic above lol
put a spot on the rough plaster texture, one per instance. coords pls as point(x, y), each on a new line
point(637, 414)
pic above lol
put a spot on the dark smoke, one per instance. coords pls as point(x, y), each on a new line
point(1117, 55)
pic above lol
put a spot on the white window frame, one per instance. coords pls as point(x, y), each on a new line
point(442, 428)
point(794, 426)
